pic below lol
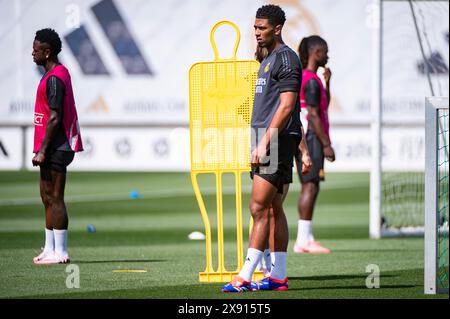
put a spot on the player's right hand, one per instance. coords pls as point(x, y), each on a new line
point(328, 153)
point(327, 74)
point(259, 155)
point(38, 159)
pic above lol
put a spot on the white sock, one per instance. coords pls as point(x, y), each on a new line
point(266, 261)
point(263, 262)
point(49, 241)
point(251, 261)
point(304, 232)
point(278, 265)
point(60, 241)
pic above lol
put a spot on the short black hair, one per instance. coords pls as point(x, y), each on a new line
point(273, 13)
point(50, 37)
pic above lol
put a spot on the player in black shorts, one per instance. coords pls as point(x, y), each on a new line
point(265, 265)
point(315, 98)
point(276, 134)
point(56, 140)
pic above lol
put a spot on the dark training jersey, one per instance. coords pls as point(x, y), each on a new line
point(312, 97)
point(55, 96)
point(312, 93)
point(279, 72)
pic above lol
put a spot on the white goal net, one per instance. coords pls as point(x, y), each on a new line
point(414, 65)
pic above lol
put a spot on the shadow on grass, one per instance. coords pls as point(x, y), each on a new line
point(145, 237)
point(378, 250)
point(396, 284)
point(395, 278)
point(335, 277)
point(213, 291)
point(117, 261)
point(355, 287)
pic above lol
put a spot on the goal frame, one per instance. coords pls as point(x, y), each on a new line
point(432, 106)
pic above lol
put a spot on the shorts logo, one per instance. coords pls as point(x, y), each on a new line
point(38, 119)
point(322, 174)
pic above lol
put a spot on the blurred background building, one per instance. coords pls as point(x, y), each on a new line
point(129, 62)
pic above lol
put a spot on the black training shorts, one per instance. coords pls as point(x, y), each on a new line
point(316, 173)
point(287, 146)
point(58, 160)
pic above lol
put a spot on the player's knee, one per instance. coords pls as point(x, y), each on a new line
point(258, 210)
point(57, 196)
point(311, 188)
point(276, 211)
point(46, 199)
point(56, 201)
point(271, 212)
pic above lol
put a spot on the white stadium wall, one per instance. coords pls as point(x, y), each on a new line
point(137, 149)
point(11, 149)
point(134, 111)
point(167, 149)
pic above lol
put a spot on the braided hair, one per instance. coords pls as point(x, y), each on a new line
point(306, 45)
point(261, 53)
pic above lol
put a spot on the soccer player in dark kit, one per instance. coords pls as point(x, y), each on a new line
point(276, 128)
point(56, 140)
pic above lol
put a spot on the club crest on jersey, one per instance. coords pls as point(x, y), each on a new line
point(266, 69)
point(38, 118)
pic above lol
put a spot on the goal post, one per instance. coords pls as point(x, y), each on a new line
point(436, 195)
point(376, 106)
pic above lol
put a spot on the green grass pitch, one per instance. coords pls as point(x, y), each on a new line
point(150, 233)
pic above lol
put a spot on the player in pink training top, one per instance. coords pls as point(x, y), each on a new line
point(56, 139)
point(313, 52)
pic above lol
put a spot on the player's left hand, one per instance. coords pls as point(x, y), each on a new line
point(306, 163)
point(328, 153)
point(327, 74)
point(38, 159)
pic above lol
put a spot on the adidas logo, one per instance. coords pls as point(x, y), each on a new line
point(119, 37)
point(3, 151)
